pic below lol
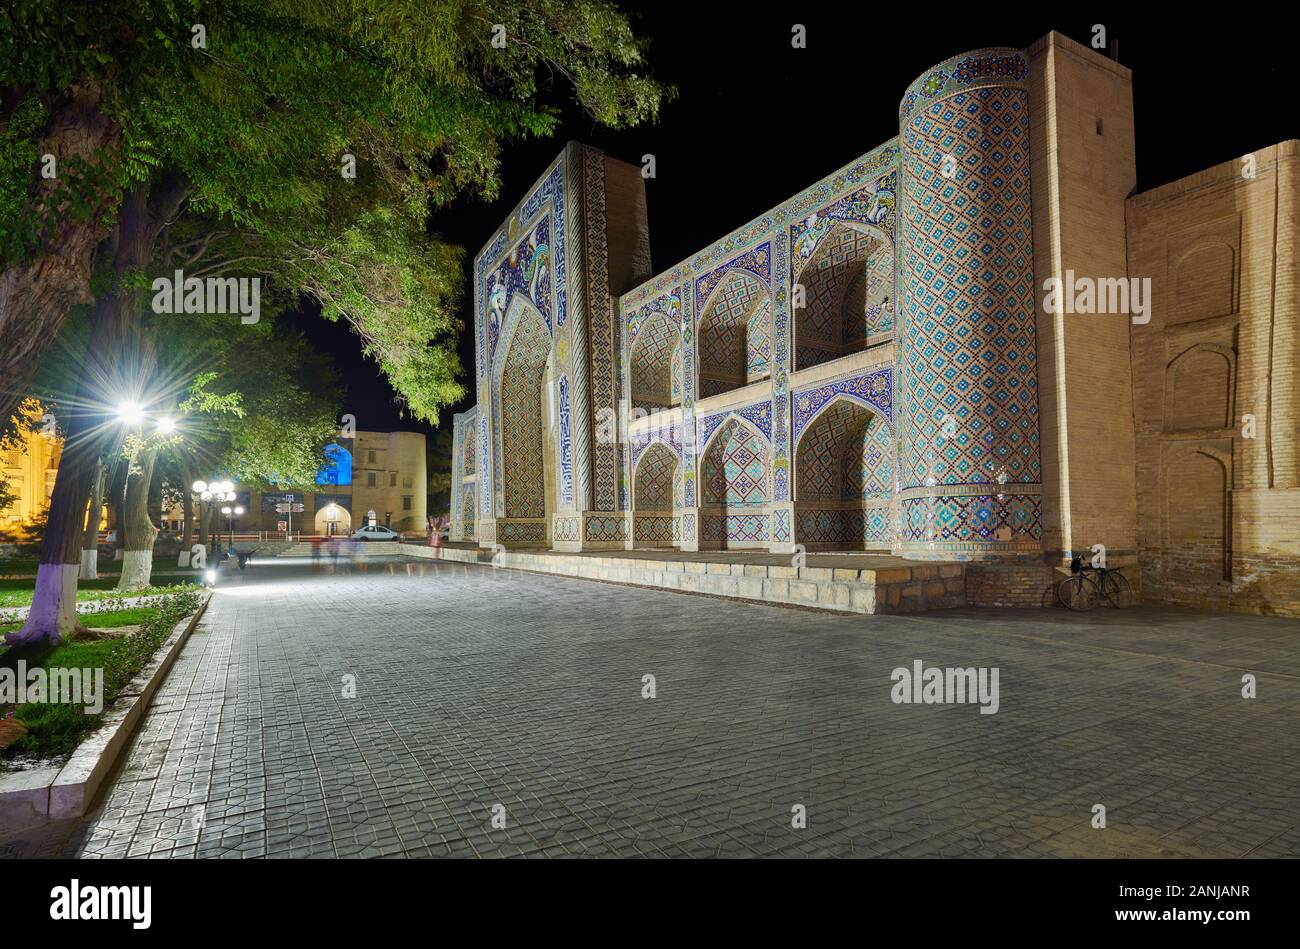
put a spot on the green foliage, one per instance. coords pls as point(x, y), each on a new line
point(257, 122)
point(57, 729)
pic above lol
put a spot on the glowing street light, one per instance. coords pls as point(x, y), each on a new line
point(231, 513)
point(130, 413)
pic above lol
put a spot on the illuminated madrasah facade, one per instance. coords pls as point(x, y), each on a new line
point(974, 344)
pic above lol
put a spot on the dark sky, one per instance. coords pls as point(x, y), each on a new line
point(757, 121)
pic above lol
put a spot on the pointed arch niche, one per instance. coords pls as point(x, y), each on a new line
point(735, 337)
point(656, 486)
point(526, 500)
point(735, 477)
point(848, 295)
point(844, 476)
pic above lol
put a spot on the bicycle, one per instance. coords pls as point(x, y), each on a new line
point(1081, 592)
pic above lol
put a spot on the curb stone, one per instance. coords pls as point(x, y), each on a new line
point(38, 796)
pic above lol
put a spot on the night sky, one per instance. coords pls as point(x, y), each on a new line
point(756, 121)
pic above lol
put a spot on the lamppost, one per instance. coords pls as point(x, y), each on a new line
point(231, 513)
point(210, 493)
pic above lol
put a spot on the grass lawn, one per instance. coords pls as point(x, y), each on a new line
point(25, 566)
point(57, 729)
point(18, 593)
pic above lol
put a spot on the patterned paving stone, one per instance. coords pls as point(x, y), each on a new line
point(371, 714)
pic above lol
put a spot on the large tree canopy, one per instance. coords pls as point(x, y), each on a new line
point(219, 135)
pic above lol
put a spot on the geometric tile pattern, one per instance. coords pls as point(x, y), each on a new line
point(654, 528)
point(655, 474)
point(844, 529)
point(760, 414)
point(608, 490)
point(655, 341)
point(735, 334)
point(822, 452)
point(968, 345)
point(825, 321)
point(966, 333)
point(868, 464)
point(566, 444)
point(874, 388)
point(750, 528)
point(734, 468)
point(523, 479)
point(844, 478)
point(970, 519)
point(469, 524)
point(757, 261)
point(469, 450)
point(603, 528)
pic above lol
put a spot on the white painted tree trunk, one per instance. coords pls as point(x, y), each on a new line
point(89, 565)
point(137, 568)
point(53, 616)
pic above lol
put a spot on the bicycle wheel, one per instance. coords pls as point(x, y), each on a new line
point(1115, 588)
point(1078, 593)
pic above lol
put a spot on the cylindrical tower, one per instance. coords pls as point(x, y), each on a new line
point(969, 480)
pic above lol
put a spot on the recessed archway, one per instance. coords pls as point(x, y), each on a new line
point(469, 512)
point(735, 338)
point(469, 450)
point(657, 474)
point(522, 419)
point(655, 356)
point(734, 473)
point(333, 520)
point(844, 477)
point(847, 295)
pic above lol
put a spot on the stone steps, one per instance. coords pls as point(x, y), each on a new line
point(909, 588)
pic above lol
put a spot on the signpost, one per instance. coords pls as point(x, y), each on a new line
point(288, 506)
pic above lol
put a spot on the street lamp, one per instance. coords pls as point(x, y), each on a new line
point(130, 413)
point(215, 492)
point(231, 513)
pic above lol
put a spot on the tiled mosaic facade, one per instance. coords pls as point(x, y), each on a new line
point(860, 366)
point(887, 284)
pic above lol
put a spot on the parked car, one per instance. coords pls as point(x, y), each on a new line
point(378, 532)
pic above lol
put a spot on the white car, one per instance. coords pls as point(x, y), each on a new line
point(377, 532)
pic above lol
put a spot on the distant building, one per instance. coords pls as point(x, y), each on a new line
point(383, 472)
point(29, 469)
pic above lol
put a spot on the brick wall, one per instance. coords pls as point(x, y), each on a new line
point(1084, 168)
point(1215, 386)
point(1023, 586)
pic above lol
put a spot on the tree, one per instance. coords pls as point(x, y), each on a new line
point(253, 112)
point(90, 536)
point(304, 140)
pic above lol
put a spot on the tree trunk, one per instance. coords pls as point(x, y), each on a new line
point(205, 518)
point(53, 616)
point(187, 509)
point(39, 289)
point(117, 366)
point(137, 565)
point(90, 536)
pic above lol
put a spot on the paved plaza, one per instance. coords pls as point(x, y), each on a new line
point(483, 693)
